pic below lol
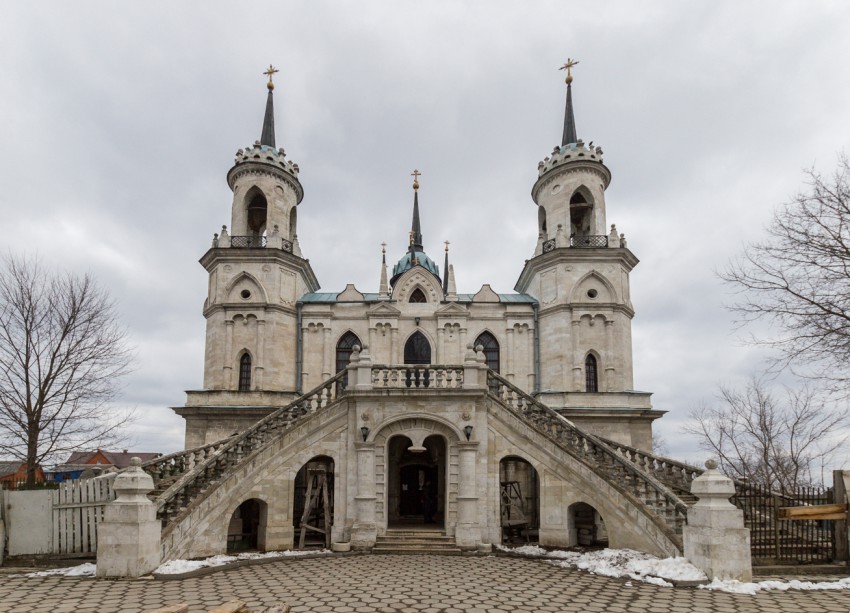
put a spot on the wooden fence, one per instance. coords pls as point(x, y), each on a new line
point(77, 508)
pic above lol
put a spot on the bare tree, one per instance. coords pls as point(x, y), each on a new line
point(773, 442)
point(62, 353)
point(798, 279)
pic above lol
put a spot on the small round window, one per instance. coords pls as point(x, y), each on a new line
point(245, 294)
point(592, 293)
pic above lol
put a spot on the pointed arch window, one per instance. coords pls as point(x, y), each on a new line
point(591, 380)
point(418, 296)
point(344, 349)
point(417, 350)
point(257, 211)
point(245, 372)
point(491, 349)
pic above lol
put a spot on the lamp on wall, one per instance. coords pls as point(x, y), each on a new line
point(416, 319)
point(467, 430)
point(364, 431)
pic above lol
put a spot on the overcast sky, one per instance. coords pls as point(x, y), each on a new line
point(119, 121)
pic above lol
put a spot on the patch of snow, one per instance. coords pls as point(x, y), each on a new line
point(83, 570)
point(178, 567)
point(738, 587)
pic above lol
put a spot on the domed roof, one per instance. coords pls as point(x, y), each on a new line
point(411, 259)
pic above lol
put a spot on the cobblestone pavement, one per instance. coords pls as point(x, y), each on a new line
point(407, 584)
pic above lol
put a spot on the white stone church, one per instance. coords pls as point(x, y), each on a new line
point(415, 414)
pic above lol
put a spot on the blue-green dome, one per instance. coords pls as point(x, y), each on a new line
point(411, 259)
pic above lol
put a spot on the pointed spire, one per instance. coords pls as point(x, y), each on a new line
point(384, 288)
point(415, 228)
point(267, 136)
point(451, 288)
point(446, 271)
point(569, 118)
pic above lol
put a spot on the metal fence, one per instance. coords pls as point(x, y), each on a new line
point(782, 541)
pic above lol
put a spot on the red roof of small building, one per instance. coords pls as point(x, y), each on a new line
point(118, 459)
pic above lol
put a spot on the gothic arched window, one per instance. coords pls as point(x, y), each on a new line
point(344, 348)
point(257, 210)
point(491, 349)
point(417, 350)
point(245, 372)
point(591, 381)
point(418, 296)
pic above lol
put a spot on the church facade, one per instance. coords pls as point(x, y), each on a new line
point(419, 429)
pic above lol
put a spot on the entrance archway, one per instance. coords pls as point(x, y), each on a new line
point(519, 500)
point(416, 482)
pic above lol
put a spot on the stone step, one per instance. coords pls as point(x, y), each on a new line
point(381, 542)
point(455, 551)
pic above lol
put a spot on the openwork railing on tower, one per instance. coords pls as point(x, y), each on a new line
point(588, 242)
point(247, 242)
point(660, 501)
point(194, 470)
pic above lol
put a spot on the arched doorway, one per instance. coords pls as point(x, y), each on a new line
point(416, 482)
point(344, 349)
point(588, 525)
point(313, 503)
point(519, 500)
point(243, 531)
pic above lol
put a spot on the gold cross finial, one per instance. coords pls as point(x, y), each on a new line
point(447, 246)
point(383, 248)
point(570, 63)
point(415, 174)
point(272, 70)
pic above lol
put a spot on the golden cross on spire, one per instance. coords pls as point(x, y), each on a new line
point(415, 174)
point(570, 63)
point(272, 70)
point(447, 246)
point(383, 248)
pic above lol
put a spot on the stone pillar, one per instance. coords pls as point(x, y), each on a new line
point(472, 374)
point(610, 370)
point(577, 361)
point(227, 369)
point(529, 333)
point(364, 532)
point(715, 538)
point(468, 530)
point(128, 537)
point(441, 346)
point(261, 343)
point(462, 338)
point(394, 346)
point(364, 370)
point(509, 354)
point(326, 353)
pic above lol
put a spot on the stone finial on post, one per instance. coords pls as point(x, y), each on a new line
point(128, 537)
point(364, 369)
point(224, 238)
point(715, 538)
point(472, 370)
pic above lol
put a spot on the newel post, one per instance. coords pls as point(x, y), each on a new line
point(128, 537)
point(715, 538)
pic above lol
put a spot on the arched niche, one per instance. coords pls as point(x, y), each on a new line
point(313, 503)
point(588, 524)
point(246, 529)
point(519, 500)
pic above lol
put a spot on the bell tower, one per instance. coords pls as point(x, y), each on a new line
point(256, 276)
point(579, 274)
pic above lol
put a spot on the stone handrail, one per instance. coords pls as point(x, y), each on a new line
point(417, 376)
point(660, 501)
point(681, 475)
point(669, 471)
point(232, 450)
point(175, 464)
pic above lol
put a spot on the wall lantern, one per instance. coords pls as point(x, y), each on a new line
point(364, 431)
point(467, 430)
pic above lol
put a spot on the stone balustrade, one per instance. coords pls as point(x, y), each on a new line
point(417, 376)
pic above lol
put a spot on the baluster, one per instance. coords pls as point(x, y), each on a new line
point(438, 378)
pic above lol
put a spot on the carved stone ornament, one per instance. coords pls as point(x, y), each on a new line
point(466, 416)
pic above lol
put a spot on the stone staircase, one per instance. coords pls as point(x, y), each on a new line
point(182, 478)
point(416, 542)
